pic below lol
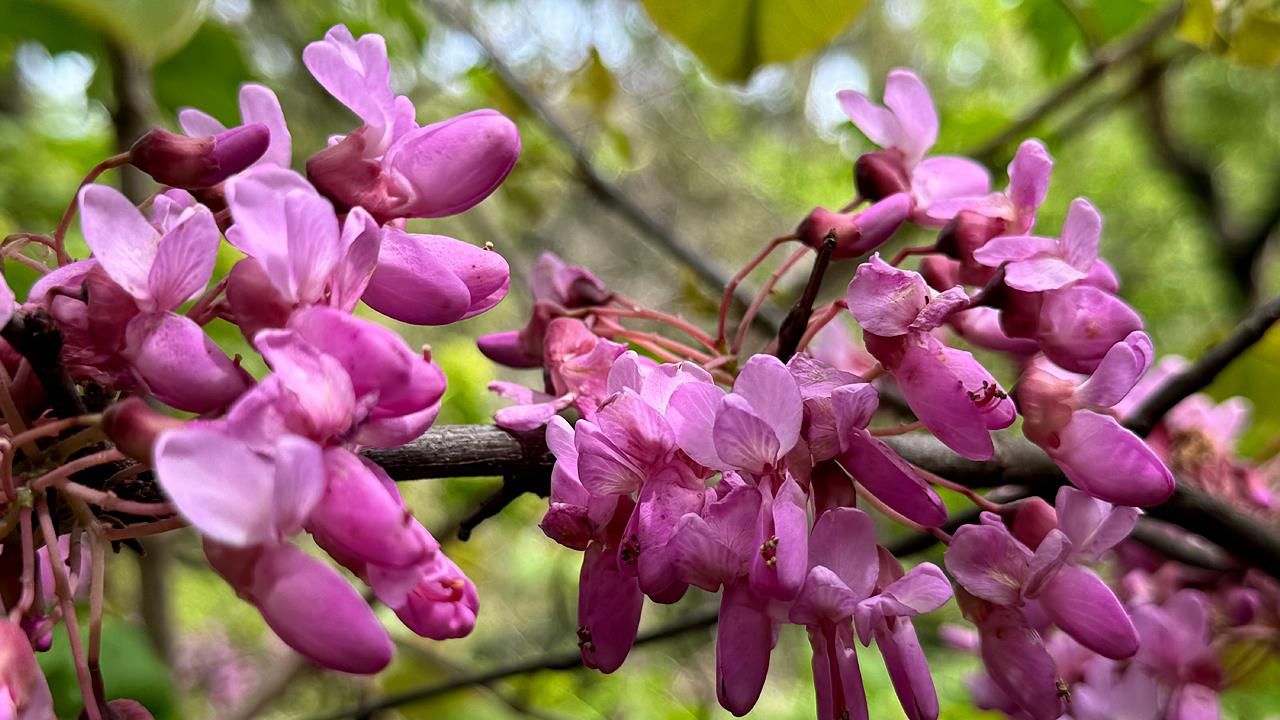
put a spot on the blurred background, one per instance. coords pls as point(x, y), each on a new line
point(709, 124)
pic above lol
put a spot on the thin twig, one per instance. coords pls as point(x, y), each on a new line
point(797, 321)
point(1204, 369)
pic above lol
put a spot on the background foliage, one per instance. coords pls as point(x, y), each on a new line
point(685, 106)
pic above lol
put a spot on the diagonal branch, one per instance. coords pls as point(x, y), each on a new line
point(1205, 368)
point(1104, 59)
point(611, 196)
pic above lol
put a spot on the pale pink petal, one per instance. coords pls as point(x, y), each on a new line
point(877, 123)
point(1040, 274)
point(313, 250)
point(844, 542)
point(1121, 368)
point(222, 487)
point(1018, 664)
point(909, 100)
point(854, 405)
point(1013, 248)
point(298, 484)
point(1194, 702)
point(941, 307)
point(256, 198)
point(198, 123)
point(1080, 235)
point(258, 104)
point(1029, 176)
point(940, 399)
point(320, 383)
point(356, 72)
point(602, 469)
point(988, 562)
point(434, 280)
point(184, 260)
point(121, 239)
point(743, 441)
point(908, 670)
point(891, 479)
point(531, 416)
point(767, 385)
point(946, 176)
point(362, 240)
point(692, 415)
point(885, 300)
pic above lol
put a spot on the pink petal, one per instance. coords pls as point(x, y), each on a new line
point(1013, 248)
point(692, 415)
point(1121, 368)
point(256, 198)
point(356, 72)
point(844, 541)
point(362, 239)
point(635, 428)
point(1110, 463)
point(505, 348)
point(1086, 609)
point(197, 123)
point(744, 640)
point(443, 605)
point(716, 548)
point(321, 385)
point(1040, 274)
point(434, 280)
point(945, 176)
point(941, 307)
point(837, 681)
point(878, 124)
point(779, 571)
point(1080, 234)
point(909, 100)
point(885, 300)
point(854, 405)
point(1194, 702)
point(359, 519)
point(317, 612)
point(940, 399)
point(922, 590)
point(222, 487)
point(602, 468)
point(123, 242)
point(184, 260)
point(1018, 664)
point(26, 692)
point(181, 365)
point(663, 500)
point(452, 165)
point(767, 385)
point(1079, 324)
point(609, 605)
point(891, 479)
point(908, 670)
point(299, 483)
point(258, 104)
point(1029, 176)
point(743, 440)
point(988, 563)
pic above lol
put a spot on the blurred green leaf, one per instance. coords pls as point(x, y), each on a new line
point(594, 85)
point(151, 29)
point(732, 37)
point(1257, 40)
point(1055, 32)
point(1245, 32)
point(206, 74)
point(130, 669)
point(1197, 25)
point(52, 27)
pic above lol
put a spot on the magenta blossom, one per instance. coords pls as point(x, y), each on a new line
point(856, 233)
point(907, 128)
point(1015, 207)
point(1177, 651)
point(952, 394)
point(390, 166)
point(258, 105)
point(1097, 453)
point(1035, 264)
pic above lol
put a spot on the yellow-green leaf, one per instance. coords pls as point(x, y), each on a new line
point(150, 29)
point(1197, 25)
point(734, 37)
point(1257, 40)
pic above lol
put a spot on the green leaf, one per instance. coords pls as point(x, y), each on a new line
point(55, 29)
point(205, 74)
point(734, 37)
point(150, 29)
point(1257, 40)
point(1197, 25)
point(1246, 32)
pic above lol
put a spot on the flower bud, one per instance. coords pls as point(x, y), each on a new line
point(967, 232)
point(1079, 324)
point(133, 426)
point(881, 174)
point(435, 280)
point(255, 301)
point(1033, 520)
point(858, 233)
point(198, 162)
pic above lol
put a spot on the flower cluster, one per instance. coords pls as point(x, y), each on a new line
point(262, 460)
point(754, 476)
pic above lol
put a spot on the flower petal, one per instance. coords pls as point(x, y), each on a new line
point(1121, 368)
point(181, 365)
point(1110, 463)
point(1029, 176)
point(909, 100)
point(1013, 248)
point(123, 242)
point(1080, 234)
point(744, 639)
point(184, 260)
point(258, 104)
point(221, 486)
point(692, 415)
point(877, 123)
point(884, 299)
point(988, 563)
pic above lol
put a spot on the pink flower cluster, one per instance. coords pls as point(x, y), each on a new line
point(267, 459)
point(749, 476)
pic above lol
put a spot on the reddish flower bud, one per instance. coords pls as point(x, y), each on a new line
point(1033, 520)
point(254, 300)
point(187, 162)
point(967, 232)
point(857, 233)
point(881, 174)
point(133, 426)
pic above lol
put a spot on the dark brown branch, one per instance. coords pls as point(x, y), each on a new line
point(611, 196)
point(1106, 57)
point(1205, 368)
point(797, 321)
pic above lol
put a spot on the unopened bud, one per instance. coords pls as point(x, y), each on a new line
point(255, 301)
point(881, 174)
point(198, 162)
point(1033, 521)
point(967, 232)
point(856, 234)
point(134, 426)
point(586, 292)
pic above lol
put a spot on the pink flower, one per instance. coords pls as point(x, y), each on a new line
point(907, 128)
point(1017, 205)
point(434, 280)
point(857, 233)
point(1097, 453)
point(1035, 264)
point(953, 395)
point(198, 162)
point(258, 105)
point(390, 166)
point(1177, 651)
